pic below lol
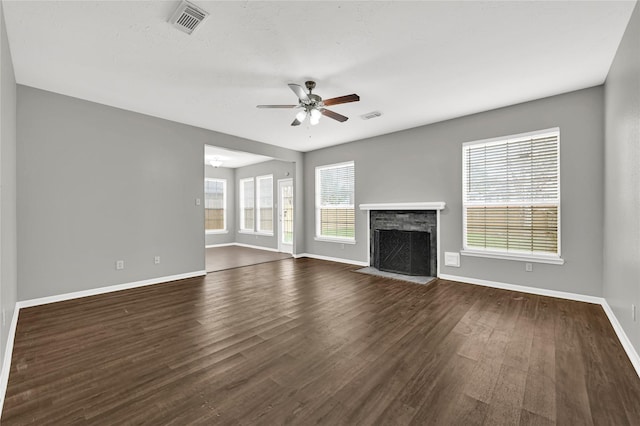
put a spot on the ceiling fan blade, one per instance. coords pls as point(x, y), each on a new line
point(296, 122)
point(341, 100)
point(299, 91)
point(276, 106)
point(339, 117)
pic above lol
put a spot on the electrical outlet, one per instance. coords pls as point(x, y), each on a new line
point(119, 264)
point(633, 312)
point(197, 201)
point(528, 267)
point(156, 260)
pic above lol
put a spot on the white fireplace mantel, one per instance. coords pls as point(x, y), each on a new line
point(434, 205)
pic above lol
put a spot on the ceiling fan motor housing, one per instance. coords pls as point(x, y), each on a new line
point(314, 100)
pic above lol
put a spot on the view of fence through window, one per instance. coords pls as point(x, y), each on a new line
point(337, 222)
point(517, 228)
point(214, 200)
point(335, 216)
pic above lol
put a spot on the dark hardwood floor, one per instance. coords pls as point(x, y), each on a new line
point(227, 257)
point(306, 341)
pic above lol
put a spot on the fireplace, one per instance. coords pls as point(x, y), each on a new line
point(404, 241)
point(402, 252)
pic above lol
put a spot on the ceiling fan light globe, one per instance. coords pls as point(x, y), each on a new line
point(314, 120)
point(301, 116)
point(315, 113)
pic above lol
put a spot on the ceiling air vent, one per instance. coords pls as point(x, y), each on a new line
point(370, 115)
point(187, 17)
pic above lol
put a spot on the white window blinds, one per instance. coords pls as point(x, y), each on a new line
point(335, 201)
point(247, 196)
point(511, 194)
point(265, 203)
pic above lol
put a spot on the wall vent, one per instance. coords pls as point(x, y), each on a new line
point(370, 115)
point(188, 17)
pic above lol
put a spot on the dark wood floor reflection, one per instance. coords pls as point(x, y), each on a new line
point(227, 257)
point(307, 341)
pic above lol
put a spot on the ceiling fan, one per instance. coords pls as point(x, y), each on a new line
point(313, 106)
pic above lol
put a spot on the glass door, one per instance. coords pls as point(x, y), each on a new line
point(285, 215)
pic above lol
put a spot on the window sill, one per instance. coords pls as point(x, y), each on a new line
point(222, 231)
point(511, 256)
point(335, 240)
point(264, 234)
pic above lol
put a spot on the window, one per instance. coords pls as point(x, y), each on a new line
point(215, 202)
point(246, 204)
point(334, 202)
point(265, 203)
point(511, 197)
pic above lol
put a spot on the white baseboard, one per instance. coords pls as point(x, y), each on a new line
point(622, 336)
point(8, 353)
point(331, 259)
point(107, 289)
point(525, 289)
point(256, 247)
point(243, 245)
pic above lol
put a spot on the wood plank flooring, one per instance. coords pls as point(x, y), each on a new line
point(310, 342)
point(227, 257)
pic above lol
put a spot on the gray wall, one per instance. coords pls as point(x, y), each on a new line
point(97, 184)
point(425, 164)
point(229, 175)
point(279, 170)
point(622, 182)
point(8, 239)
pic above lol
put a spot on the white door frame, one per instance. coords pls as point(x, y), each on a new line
point(285, 248)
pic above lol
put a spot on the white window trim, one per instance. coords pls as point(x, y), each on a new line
point(337, 240)
point(241, 205)
point(259, 231)
point(555, 259)
point(525, 257)
point(224, 230)
point(318, 236)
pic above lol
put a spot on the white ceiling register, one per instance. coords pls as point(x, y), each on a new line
point(434, 205)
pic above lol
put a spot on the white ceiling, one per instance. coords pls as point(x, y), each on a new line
point(232, 159)
point(416, 62)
